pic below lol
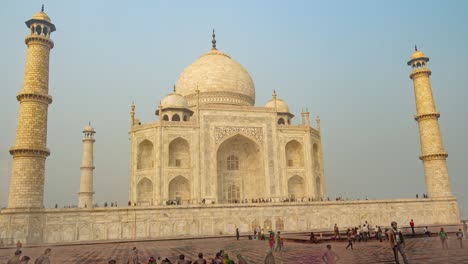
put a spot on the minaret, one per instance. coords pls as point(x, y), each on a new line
point(30, 151)
point(433, 154)
point(85, 196)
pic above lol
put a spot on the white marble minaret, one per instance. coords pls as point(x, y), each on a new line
point(85, 196)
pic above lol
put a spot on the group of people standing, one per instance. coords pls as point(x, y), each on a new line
point(19, 258)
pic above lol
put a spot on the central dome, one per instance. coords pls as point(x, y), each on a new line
point(219, 79)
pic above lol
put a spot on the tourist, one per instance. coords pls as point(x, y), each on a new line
point(218, 259)
point(269, 259)
point(16, 258)
point(151, 260)
point(133, 258)
point(112, 261)
point(182, 260)
point(255, 233)
point(44, 258)
point(411, 223)
point(365, 232)
point(443, 238)
point(278, 241)
point(241, 259)
point(200, 259)
point(260, 231)
point(379, 234)
point(358, 234)
point(24, 260)
point(336, 232)
point(19, 245)
point(427, 232)
point(349, 236)
point(459, 235)
point(397, 242)
point(312, 237)
point(227, 260)
point(330, 256)
point(465, 229)
point(271, 241)
point(237, 233)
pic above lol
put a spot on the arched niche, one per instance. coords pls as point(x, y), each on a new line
point(179, 153)
point(145, 155)
point(294, 154)
point(179, 190)
point(296, 187)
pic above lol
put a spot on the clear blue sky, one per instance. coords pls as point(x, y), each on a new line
point(343, 60)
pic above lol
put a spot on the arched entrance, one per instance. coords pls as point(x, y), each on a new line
point(179, 190)
point(144, 192)
point(240, 170)
point(296, 187)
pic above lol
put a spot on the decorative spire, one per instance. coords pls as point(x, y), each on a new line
point(415, 48)
point(214, 40)
point(173, 89)
point(42, 8)
point(274, 94)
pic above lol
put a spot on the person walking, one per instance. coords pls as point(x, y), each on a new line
point(16, 258)
point(330, 256)
point(19, 245)
point(278, 241)
point(411, 223)
point(349, 236)
point(443, 238)
point(460, 237)
point(379, 234)
point(397, 242)
point(237, 233)
point(336, 232)
point(133, 258)
point(271, 242)
point(44, 258)
point(465, 229)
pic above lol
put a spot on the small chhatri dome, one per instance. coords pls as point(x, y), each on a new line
point(220, 80)
point(281, 106)
point(174, 100)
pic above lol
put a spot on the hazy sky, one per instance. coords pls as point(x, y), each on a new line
point(343, 60)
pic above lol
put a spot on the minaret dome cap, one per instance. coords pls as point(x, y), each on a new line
point(89, 128)
point(41, 16)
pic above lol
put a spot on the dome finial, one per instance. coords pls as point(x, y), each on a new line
point(42, 8)
point(415, 48)
point(214, 40)
point(173, 89)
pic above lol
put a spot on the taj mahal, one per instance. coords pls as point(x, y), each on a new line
point(211, 162)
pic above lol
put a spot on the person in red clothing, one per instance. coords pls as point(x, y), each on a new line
point(411, 223)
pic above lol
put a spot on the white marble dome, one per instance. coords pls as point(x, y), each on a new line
point(281, 106)
point(174, 100)
point(220, 80)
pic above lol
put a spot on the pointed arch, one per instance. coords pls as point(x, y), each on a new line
point(145, 159)
point(315, 156)
point(296, 187)
point(175, 117)
point(240, 163)
point(145, 192)
point(294, 154)
point(179, 153)
point(179, 190)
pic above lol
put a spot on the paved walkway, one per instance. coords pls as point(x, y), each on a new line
point(419, 250)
